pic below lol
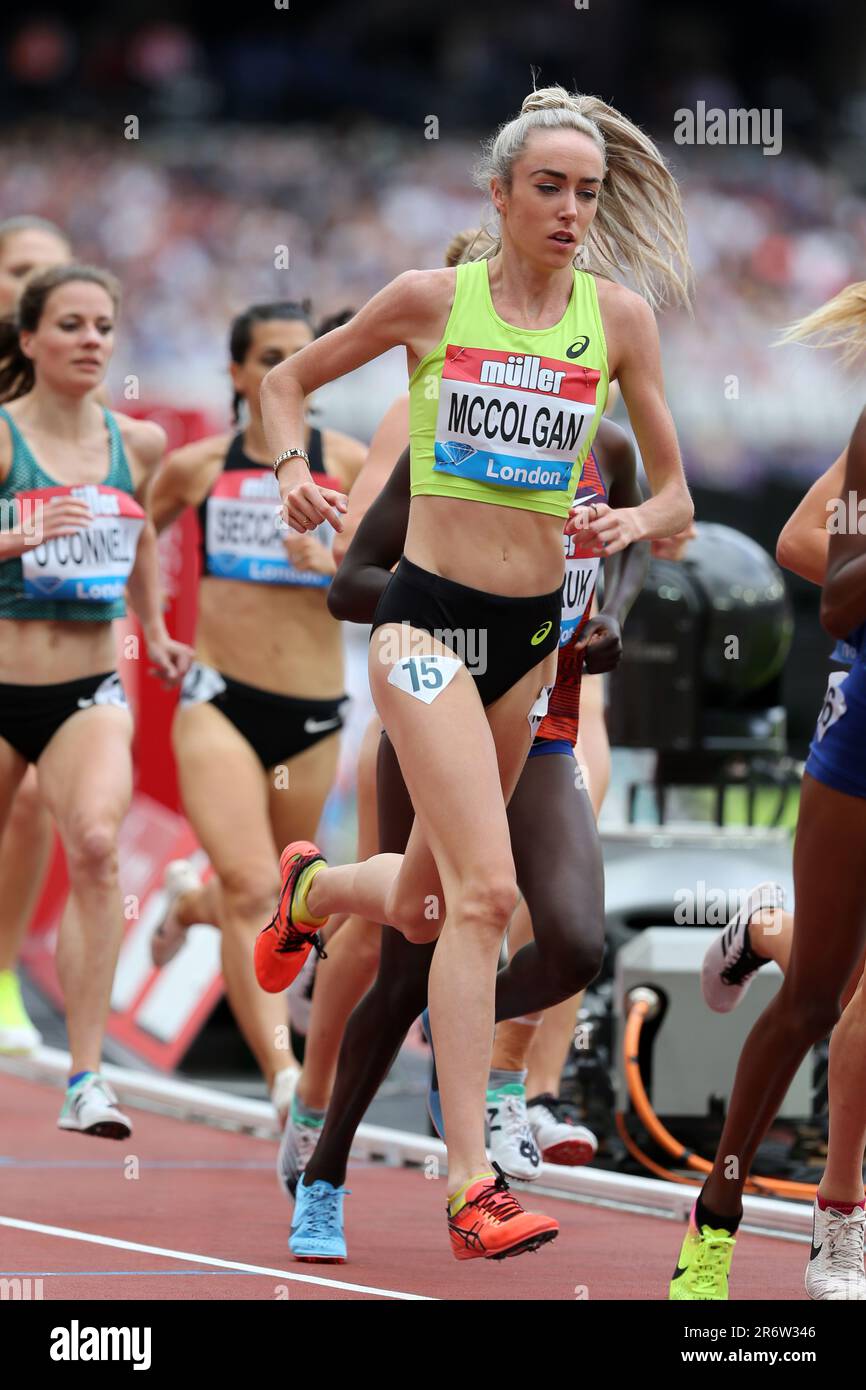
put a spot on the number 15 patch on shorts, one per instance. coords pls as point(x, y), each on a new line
point(425, 677)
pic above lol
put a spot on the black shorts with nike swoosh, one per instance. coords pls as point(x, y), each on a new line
point(277, 727)
point(30, 715)
point(498, 638)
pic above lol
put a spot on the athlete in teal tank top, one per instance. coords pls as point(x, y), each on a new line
point(73, 538)
point(28, 598)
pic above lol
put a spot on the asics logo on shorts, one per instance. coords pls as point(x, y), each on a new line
point(542, 632)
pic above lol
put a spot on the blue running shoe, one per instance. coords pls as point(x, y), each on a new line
point(434, 1100)
point(317, 1225)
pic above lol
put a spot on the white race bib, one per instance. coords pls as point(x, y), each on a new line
point(91, 565)
point(834, 705)
point(516, 420)
point(244, 533)
point(578, 587)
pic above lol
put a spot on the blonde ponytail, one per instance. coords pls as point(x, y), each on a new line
point(840, 323)
point(640, 226)
point(472, 245)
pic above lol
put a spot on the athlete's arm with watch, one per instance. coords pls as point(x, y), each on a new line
point(635, 352)
point(407, 313)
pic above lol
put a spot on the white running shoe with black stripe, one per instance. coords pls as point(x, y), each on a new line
point(90, 1107)
point(730, 963)
point(835, 1270)
point(512, 1145)
point(558, 1135)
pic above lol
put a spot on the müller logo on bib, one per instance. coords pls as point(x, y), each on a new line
point(91, 565)
point(513, 419)
point(101, 503)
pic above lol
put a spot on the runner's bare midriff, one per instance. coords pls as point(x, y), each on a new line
point(279, 638)
point(42, 652)
point(500, 550)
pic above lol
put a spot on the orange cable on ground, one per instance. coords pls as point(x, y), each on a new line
point(772, 1187)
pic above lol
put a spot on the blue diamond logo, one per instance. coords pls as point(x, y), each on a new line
point(457, 453)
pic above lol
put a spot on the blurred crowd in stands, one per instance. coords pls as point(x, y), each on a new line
point(201, 214)
point(198, 224)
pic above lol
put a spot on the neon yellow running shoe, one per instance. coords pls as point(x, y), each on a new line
point(17, 1033)
point(704, 1264)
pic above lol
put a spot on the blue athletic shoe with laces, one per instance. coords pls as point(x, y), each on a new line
point(434, 1100)
point(317, 1225)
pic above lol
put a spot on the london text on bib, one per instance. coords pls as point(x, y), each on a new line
point(244, 533)
point(91, 565)
point(511, 418)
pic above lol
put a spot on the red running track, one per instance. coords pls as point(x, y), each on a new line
point(200, 1196)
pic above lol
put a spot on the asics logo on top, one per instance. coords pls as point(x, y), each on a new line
point(542, 632)
point(522, 371)
point(577, 349)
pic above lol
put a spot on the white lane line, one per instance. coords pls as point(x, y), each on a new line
point(89, 1239)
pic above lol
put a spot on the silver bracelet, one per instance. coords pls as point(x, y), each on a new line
point(291, 454)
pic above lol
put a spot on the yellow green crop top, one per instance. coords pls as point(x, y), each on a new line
point(507, 415)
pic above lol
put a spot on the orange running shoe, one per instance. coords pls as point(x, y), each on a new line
point(492, 1225)
point(283, 945)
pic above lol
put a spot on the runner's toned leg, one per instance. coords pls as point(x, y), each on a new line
point(25, 853)
point(225, 796)
point(830, 885)
point(85, 775)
